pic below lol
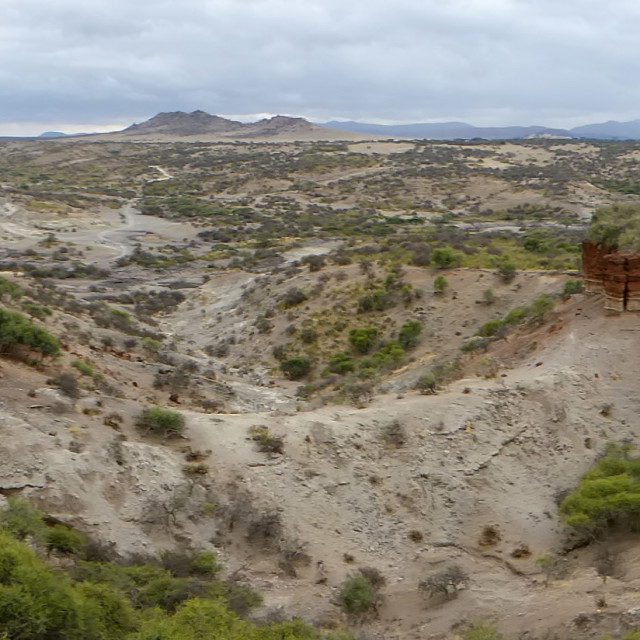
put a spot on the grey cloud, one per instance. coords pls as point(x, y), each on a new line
point(486, 61)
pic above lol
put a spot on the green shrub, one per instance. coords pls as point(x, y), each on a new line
point(151, 345)
point(377, 300)
point(15, 330)
point(473, 343)
point(440, 284)
point(357, 595)
point(36, 310)
point(572, 287)
point(204, 563)
point(481, 631)
point(341, 363)
point(308, 335)
point(541, 305)
point(534, 242)
point(162, 422)
point(22, 520)
point(267, 441)
point(85, 368)
point(296, 367)
point(507, 269)
point(515, 316)
point(242, 598)
point(292, 297)
point(427, 384)
point(608, 494)
point(363, 339)
point(445, 258)
point(389, 356)
point(488, 296)
point(262, 324)
point(491, 328)
point(64, 540)
point(409, 334)
point(10, 289)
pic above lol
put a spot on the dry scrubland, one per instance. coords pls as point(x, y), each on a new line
point(383, 369)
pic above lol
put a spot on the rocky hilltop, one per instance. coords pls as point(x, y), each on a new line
point(611, 257)
point(186, 124)
point(202, 125)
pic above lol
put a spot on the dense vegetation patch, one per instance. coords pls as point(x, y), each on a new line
point(175, 597)
point(15, 330)
point(616, 226)
point(608, 494)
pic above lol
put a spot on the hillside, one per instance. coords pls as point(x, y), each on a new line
point(381, 353)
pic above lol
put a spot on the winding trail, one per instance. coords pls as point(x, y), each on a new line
point(127, 211)
point(165, 174)
point(120, 247)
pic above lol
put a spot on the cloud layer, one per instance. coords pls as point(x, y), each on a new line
point(488, 62)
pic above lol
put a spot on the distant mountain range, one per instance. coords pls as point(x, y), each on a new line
point(611, 130)
point(199, 124)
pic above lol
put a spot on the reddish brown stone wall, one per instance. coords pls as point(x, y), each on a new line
point(617, 273)
point(633, 294)
point(593, 267)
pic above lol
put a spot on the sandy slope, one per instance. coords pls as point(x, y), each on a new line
point(483, 452)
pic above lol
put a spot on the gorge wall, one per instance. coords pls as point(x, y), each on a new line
point(612, 272)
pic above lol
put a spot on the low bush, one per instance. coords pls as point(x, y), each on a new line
point(481, 631)
point(488, 296)
point(15, 330)
point(427, 384)
point(267, 441)
point(357, 595)
point(507, 269)
point(572, 287)
point(377, 300)
point(540, 306)
point(440, 284)
point(445, 258)
point(308, 335)
point(34, 310)
point(68, 384)
point(9, 289)
point(390, 355)
point(64, 540)
point(608, 494)
point(292, 297)
point(296, 367)
point(445, 583)
point(162, 422)
point(21, 520)
point(409, 334)
point(85, 368)
point(363, 339)
point(341, 363)
point(491, 328)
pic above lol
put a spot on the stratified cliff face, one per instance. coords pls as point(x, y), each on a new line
point(614, 272)
point(633, 282)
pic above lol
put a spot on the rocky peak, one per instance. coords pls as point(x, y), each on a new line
point(186, 124)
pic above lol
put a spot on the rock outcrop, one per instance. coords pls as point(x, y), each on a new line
point(612, 272)
point(198, 123)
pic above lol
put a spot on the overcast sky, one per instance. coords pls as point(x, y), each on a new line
point(97, 64)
